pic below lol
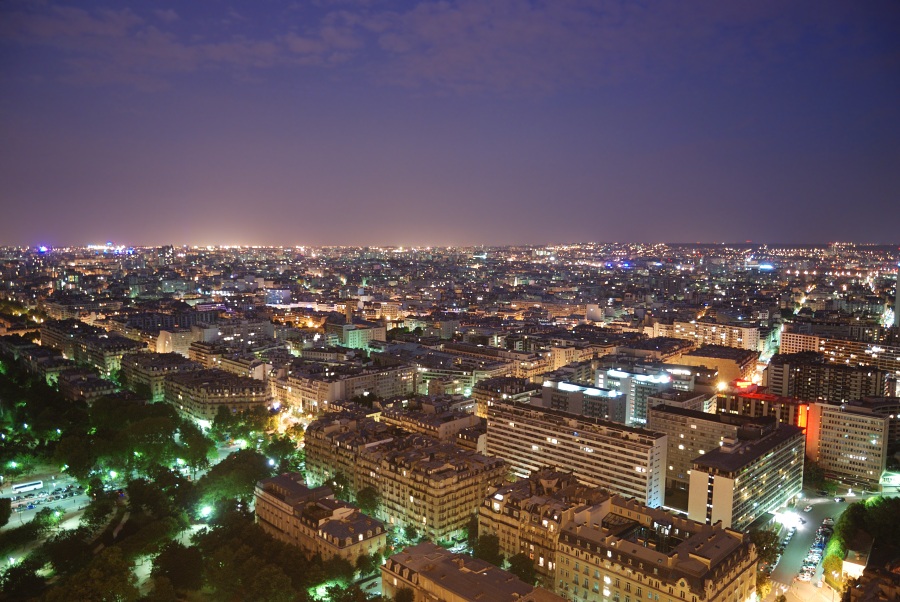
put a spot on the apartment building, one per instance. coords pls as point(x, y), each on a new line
point(311, 386)
point(198, 395)
point(148, 371)
point(756, 401)
point(433, 573)
point(440, 425)
point(733, 363)
point(689, 400)
point(710, 333)
point(605, 404)
point(742, 479)
point(526, 516)
point(333, 443)
point(623, 550)
point(524, 365)
point(847, 352)
point(314, 521)
point(809, 375)
point(431, 486)
point(691, 433)
point(626, 460)
point(849, 442)
point(492, 390)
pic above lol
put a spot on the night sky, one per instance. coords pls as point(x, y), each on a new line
point(459, 122)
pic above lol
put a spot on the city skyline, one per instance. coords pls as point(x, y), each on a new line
point(447, 124)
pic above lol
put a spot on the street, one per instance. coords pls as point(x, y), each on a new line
point(784, 577)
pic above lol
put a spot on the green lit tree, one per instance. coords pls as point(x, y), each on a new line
point(522, 567)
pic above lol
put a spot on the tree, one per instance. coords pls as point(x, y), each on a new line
point(46, 518)
point(147, 497)
point(404, 594)
point(5, 510)
point(763, 586)
point(340, 486)
point(68, 551)
point(366, 564)
point(76, 452)
point(522, 567)
point(487, 548)
point(235, 477)
point(832, 565)
point(98, 511)
point(336, 593)
point(768, 545)
point(410, 533)
point(368, 499)
point(107, 577)
point(340, 569)
point(162, 591)
point(283, 450)
point(196, 448)
point(182, 566)
point(472, 531)
point(268, 584)
point(21, 581)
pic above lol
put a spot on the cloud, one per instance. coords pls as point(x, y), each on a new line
point(462, 46)
point(167, 15)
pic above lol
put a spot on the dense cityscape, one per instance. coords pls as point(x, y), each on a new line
point(589, 421)
point(449, 301)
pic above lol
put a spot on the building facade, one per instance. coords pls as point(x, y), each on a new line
point(314, 521)
point(741, 480)
point(200, 394)
point(622, 550)
point(848, 442)
point(433, 573)
point(691, 434)
point(626, 460)
point(810, 376)
point(526, 516)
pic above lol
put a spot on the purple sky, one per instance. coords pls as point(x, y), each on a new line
point(457, 122)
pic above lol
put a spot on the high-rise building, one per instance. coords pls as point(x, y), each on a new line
point(626, 460)
point(808, 375)
point(849, 442)
point(636, 383)
point(741, 480)
point(492, 390)
point(843, 351)
point(605, 404)
point(756, 401)
point(691, 434)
